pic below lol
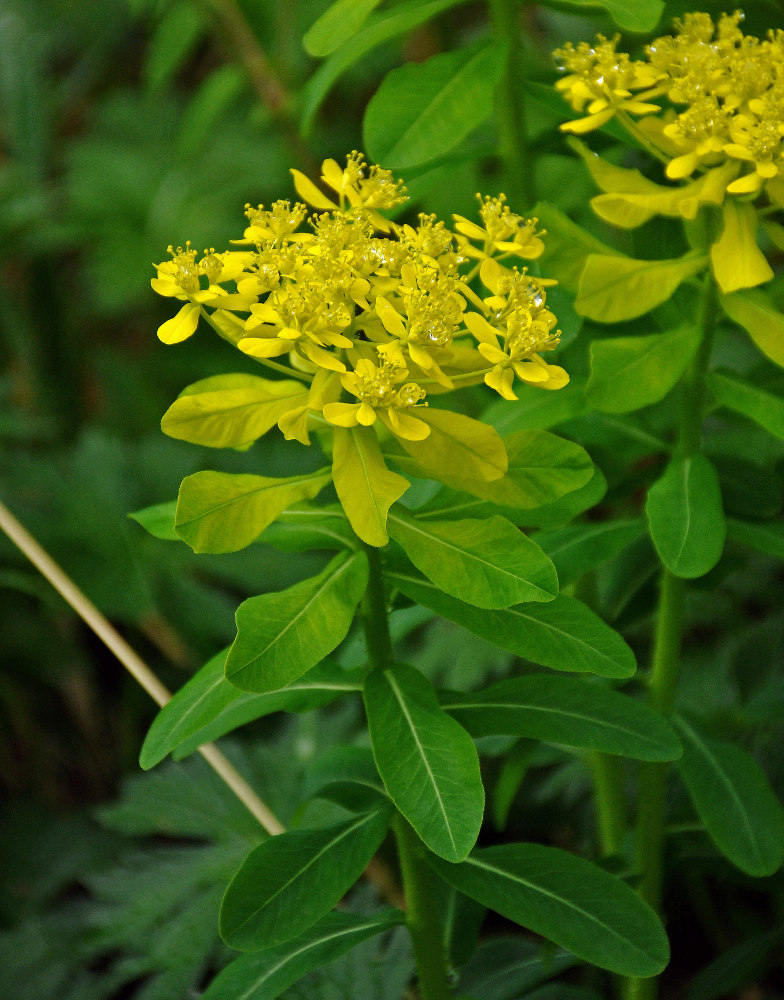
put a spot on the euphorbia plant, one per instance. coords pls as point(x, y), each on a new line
point(366, 326)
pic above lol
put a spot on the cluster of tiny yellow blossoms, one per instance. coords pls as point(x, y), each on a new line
point(707, 96)
point(374, 315)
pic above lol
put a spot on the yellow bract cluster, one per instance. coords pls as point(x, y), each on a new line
point(707, 97)
point(374, 315)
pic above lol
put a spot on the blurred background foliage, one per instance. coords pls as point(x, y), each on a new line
point(130, 125)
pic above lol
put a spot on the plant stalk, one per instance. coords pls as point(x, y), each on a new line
point(663, 678)
point(510, 106)
point(610, 798)
point(420, 883)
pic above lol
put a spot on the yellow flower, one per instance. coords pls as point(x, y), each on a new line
point(502, 231)
point(375, 387)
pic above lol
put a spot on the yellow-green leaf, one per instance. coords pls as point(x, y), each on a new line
point(763, 407)
point(458, 445)
point(736, 259)
point(615, 288)
point(228, 411)
point(220, 512)
point(628, 373)
point(365, 486)
point(755, 312)
point(567, 246)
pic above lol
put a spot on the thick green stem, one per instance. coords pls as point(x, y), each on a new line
point(663, 679)
point(510, 105)
point(610, 798)
point(420, 884)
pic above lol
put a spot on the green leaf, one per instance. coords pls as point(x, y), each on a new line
point(741, 965)
point(303, 527)
point(615, 288)
point(378, 29)
point(488, 563)
point(423, 110)
point(765, 538)
point(568, 711)
point(560, 512)
point(563, 634)
point(175, 37)
point(505, 967)
point(336, 25)
point(266, 974)
point(763, 407)
point(158, 520)
point(365, 486)
point(579, 548)
point(281, 636)
point(734, 800)
point(535, 409)
point(426, 760)
point(347, 775)
point(631, 15)
point(229, 411)
point(567, 900)
point(628, 373)
point(458, 442)
point(686, 518)
point(222, 512)
point(755, 312)
point(567, 246)
point(208, 706)
point(292, 880)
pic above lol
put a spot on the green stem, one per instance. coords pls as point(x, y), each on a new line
point(505, 18)
point(610, 797)
point(663, 679)
point(645, 141)
point(268, 362)
point(420, 884)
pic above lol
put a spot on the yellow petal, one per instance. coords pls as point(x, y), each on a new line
point(501, 380)
point(403, 425)
point(181, 326)
point(682, 166)
point(264, 347)
point(481, 329)
point(736, 259)
point(389, 316)
point(583, 125)
point(323, 358)
point(308, 191)
point(341, 414)
point(294, 424)
point(366, 415)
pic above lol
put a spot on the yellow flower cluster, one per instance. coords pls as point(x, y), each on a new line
point(707, 96)
point(373, 314)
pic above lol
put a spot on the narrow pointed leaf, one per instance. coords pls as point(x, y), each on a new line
point(458, 443)
point(563, 633)
point(282, 635)
point(158, 520)
point(755, 312)
point(488, 563)
point(336, 25)
point(265, 975)
point(208, 706)
point(365, 486)
point(734, 800)
point(765, 538)
point(686, 516)
point(568, 711)
point(292, 880)
point(227, 411)
point(765, 408)
point(568, 246)
point(426, 760)
point(613, 288)
point(304, 526)
point(628, 373)
point(567, 900)
point(423, 109)
point(632, 15)
point(221, 512)
point(579, 548)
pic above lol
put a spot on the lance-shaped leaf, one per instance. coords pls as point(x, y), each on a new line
point(568, 711)
point(613, 288)
point(280, 636)
point(765, 408)
point(228, 411)
point(488, 563)
point(265, 975)
point(336, 25)
point(365, 486)
point(734, 800)
point(563, 633)
point(158, 520)
point(632, 15)
point(423, 109)
point(736, 259)
point(222, 512)
point(567, 900)
point(292, 880)
point(579, 548)
point(208, 706)
point(755, 312)
point(303, 527)
point(427, 761)
point(457, 442)
point(765, 538)
point(628, 373)
point(686, 516)
point(568, 246)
